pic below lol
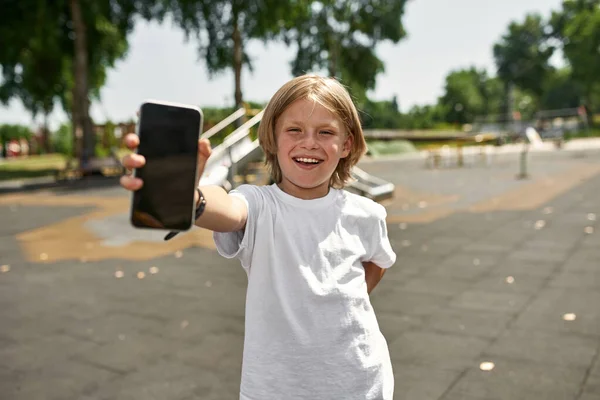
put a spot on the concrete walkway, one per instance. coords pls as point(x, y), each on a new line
point(495, 295)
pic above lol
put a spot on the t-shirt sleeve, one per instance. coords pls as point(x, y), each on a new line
point(240, 244)
point(380, 250)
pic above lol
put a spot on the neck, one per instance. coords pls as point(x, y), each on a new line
point(304, 194)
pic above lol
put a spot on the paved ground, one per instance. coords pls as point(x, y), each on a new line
point(491, 270)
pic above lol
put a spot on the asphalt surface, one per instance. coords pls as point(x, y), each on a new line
point(495, 294)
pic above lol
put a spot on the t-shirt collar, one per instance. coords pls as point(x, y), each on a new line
point(319, 202)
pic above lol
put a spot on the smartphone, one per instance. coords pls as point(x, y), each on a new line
point(168, 134)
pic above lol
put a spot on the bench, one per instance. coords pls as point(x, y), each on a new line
point(104, 166)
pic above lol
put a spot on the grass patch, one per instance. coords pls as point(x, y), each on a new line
point(46, 161)
point(594, 132)
point(427, 145)
point(7, 175)
point(32, 166)
point(387, 147)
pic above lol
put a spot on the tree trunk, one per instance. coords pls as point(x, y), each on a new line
point(46, 135)
point(333, 56)
point(76, 127)
point(4, 144)
point(237, 67)
point(508, 104)
point(81, 102)
point(589, 110)
point(237, 63)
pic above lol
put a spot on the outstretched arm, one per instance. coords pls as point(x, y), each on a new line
point(223, 213)
point(373, 275)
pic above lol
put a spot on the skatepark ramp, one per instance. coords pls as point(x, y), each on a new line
point(238, 150)
point(370, 186)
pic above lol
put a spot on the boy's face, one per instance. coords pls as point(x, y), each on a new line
point(310, 143)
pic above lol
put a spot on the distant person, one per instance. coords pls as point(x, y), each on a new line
point(312, 252)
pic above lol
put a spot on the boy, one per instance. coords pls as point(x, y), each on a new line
point(312, 252)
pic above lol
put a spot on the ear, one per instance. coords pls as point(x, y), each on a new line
point(347, 147)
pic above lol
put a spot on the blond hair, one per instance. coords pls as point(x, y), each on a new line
point(330, 94)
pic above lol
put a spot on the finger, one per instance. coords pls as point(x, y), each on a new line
point(131, 183)
point(131, 161)
point(132, 141)
point(204, 151)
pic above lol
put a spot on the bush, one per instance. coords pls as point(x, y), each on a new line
point(582, 134)
point(62, 140)
point(384, 147)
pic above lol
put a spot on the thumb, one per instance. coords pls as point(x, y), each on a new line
point(204, 151)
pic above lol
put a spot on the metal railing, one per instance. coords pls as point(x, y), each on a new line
point(239, 113)
point(235, 149)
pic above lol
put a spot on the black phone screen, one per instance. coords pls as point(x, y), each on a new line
point(169, 142)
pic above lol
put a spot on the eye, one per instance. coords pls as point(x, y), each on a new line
point(293, 130)
point(326, 133)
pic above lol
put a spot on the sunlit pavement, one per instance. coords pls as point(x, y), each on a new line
point(495, 294)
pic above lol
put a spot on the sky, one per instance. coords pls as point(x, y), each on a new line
point(442, 35)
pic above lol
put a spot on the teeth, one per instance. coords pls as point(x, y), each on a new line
point(308, 160)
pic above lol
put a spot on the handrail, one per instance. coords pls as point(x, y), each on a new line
point(242, 131)
point(225, 148)
point(222, 124)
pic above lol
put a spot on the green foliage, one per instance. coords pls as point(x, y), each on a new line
point(62, 140)
point(464, 99)
point(11, 132)
point(31, 60)
point(109, 140)
point(382, 148)
point(423, 117)
point(562, 91)
point(38, 54)
point(223, 28)
point(213, 116)
point(386, 115)
point(341, 35)
point(522, 55)
point(31, 167)
point(577, 26)
point(380, 115)
point(582, 134)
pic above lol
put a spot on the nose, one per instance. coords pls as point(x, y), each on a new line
point(309, 140)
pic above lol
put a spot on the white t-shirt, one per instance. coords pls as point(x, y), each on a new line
point(311, 332)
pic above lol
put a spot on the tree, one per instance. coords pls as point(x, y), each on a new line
point(577, 26)
point(493, 96)
point(341, 36)
point(62, 140)
point(522, 56)
point(61, 50)
point(464, 96)
point(380, 114)
point(423, 117)
point(98, 31)
point(562, 91)
point(224, 27)
point(32, 65)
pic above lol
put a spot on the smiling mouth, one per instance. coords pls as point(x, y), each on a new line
point(307, 160)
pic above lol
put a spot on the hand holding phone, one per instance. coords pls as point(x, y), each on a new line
point(133, 160)
point(169, 162)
